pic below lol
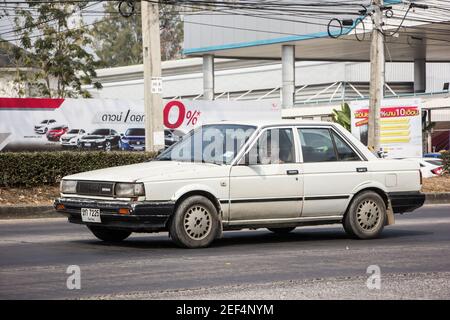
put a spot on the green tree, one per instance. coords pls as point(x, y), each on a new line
point(55, 50)
point(117, 40)
point(343, 116)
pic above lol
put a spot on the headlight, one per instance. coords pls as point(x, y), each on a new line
point(68, 186)
point(127, 190)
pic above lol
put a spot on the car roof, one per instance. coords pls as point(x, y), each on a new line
point(281, 122)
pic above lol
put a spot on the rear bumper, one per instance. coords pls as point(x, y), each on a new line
point(406, 201)
point(144, 215)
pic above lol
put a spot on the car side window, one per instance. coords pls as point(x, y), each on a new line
point(317, 145)
point(274, 146)
point(345, 152)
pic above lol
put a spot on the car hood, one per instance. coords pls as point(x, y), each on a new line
point(153, 171)
point(69, 136)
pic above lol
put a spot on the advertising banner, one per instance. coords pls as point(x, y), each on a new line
point(35, 123)
point(401, 126)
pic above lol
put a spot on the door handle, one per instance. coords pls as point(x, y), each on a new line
point(291, 172)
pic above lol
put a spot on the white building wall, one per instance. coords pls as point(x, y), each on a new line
point(263, 77)
point(437, 75)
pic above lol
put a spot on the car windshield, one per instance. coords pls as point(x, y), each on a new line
point(74, 131)
point(44, 122)
point(101, 132)
point(58, 128)
point(217, 144)
point(135, 132)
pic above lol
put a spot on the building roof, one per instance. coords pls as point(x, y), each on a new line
point(239, 36)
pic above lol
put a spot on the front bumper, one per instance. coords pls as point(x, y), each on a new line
point(92, 145)
point(145, 216)
point(132, 146)
point(406, 201)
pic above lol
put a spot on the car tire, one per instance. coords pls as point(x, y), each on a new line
point(109, 235)
point(195, 223)
point(281, 230)
point(108, 146)
point(366, 216)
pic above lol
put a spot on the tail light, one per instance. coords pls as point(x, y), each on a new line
point(437, 171)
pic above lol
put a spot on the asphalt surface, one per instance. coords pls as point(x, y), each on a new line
point(312, 262)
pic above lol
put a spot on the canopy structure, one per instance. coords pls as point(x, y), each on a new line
point(332, 31)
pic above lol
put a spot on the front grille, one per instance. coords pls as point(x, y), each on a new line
point(95, 188)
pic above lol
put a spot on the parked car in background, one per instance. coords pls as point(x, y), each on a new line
point(71, 139)
point(100, 139)
point(43, 126)
point(133, 139)
point(55, 133)
point(433, 155)
point(277, 175)
point(430, 167)
point(172, 136)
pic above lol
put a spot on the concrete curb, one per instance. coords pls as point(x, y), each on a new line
point(27, 212)
point(30, 211)
point(437, 198)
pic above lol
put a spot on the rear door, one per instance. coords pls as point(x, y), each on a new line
point(332, 168)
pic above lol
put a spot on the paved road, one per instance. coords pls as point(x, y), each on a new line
point(313, 262)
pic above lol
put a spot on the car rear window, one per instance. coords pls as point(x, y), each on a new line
point(101, 132)
point(434, 162)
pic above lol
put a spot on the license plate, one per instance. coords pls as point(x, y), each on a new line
point(87, 144)
point(90, 215)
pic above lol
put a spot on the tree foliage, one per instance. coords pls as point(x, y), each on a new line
point(117, 40)
point(54, 49)
point(343, 116)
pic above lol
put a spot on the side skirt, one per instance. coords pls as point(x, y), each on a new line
point(288, 222)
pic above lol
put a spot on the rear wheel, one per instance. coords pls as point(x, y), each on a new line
point(366, 216)
point(281, 230)
point(109, 235)
point(195, 223)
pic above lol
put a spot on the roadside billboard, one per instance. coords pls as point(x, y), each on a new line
point(401, 126)
point(35, 123)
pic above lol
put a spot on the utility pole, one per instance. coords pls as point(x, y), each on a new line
point(377, 62)
point(153, 104)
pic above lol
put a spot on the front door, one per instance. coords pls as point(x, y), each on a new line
point(267, 183)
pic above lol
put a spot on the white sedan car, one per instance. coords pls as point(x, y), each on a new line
point(71, 139)
point(226, 176)
point(429, 167)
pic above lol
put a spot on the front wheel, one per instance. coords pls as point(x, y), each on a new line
point(108, 146)
point(109, 235)
point(366, 216)
point(195, 223)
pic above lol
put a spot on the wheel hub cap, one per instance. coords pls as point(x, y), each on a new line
point(368, 214)
point(197, 222)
